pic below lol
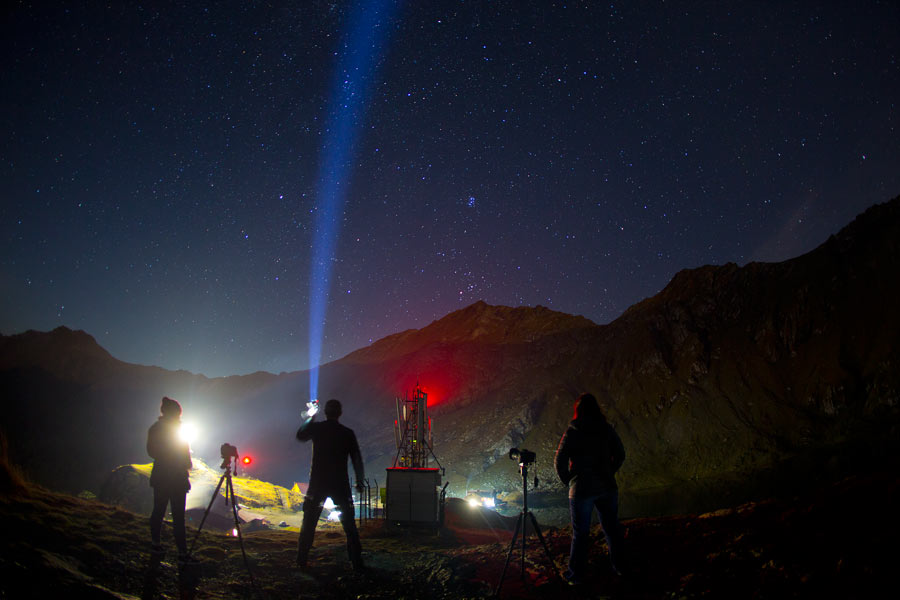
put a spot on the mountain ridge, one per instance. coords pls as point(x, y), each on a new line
point(725, 373)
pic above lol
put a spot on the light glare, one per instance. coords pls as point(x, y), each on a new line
point(187, 432)
point(312, 408)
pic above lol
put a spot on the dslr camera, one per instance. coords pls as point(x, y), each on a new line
point(228, 451)
point(525, 457)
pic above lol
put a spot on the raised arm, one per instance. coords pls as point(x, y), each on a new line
point(307, 429)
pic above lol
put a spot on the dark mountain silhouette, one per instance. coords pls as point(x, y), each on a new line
point(729, 380)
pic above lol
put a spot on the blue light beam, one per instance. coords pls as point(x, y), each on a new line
point(358, 55)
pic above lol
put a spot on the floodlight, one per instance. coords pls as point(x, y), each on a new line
point(187, 432)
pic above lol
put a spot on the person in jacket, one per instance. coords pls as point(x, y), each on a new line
point(333, 444)
point(169, 477)
point(589, 454)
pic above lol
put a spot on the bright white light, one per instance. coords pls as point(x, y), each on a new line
point(234, 532)
point(187, 432)
point(488, 502)
point(335, 515)
point(329, 504)
point(473, 502)
point(312, 408)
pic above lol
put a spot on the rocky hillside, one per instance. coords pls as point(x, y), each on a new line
point(61, 546)
point(729, 380)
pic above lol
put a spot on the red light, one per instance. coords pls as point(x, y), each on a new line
point(246, 460)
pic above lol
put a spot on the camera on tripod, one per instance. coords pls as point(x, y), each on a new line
point(228, 453)
point(525, 457)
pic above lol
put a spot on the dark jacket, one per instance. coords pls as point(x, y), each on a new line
point(171, 456)
point(333, 443)
point(588, 456)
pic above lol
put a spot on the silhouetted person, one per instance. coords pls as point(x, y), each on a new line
point(169, 478)
point(333, 443)
point(589, 454)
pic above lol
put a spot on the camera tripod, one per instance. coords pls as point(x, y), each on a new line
point(521, 525)
point(229, 493)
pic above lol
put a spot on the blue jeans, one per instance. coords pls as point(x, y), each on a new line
point(582, 509)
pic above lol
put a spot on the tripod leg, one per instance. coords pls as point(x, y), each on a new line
point(540, 535)
point(206, 514)
point(524, 535)
point(512, 544)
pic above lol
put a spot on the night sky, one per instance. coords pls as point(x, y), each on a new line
point(181, 180)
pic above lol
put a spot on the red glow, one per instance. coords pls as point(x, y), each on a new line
point(246, 460)
point(440, 376)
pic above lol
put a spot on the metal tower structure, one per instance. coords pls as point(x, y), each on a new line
point(413, 433)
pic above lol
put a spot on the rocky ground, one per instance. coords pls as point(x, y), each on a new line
point(836, 543)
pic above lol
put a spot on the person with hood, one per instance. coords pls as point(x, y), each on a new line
point(169, 477)
point(333, 444)
point(589, 454)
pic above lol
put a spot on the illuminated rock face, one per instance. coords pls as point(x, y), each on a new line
point(723, 373)
point(129, 486)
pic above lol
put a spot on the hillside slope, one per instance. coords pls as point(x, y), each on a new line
point(57, 545)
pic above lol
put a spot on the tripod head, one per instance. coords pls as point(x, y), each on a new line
point(526, 458)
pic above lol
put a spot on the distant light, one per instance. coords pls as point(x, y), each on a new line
point(329, 504)
point(187, 432)
point(234, 532)
point(246, 460)
point(473, 502)
point(488, 502)
point(335, 515)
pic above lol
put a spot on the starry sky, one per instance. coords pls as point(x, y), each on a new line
point(167, 167)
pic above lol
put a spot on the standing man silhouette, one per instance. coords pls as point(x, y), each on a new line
point(589, 454)
point(333, 443)
point(169, 477)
